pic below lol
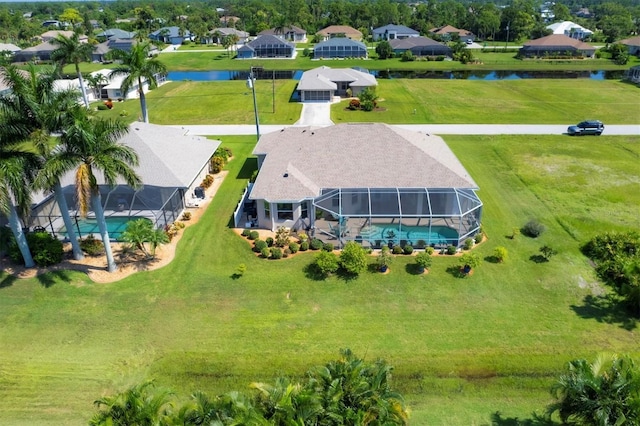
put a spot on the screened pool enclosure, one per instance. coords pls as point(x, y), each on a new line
point(419, 217)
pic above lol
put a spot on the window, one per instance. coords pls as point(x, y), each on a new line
point(285, 211)
point(304, 210)
point(267, 210)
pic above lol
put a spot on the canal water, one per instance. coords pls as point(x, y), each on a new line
point(391, 74)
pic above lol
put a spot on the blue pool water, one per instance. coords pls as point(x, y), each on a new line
point(410, 234)
point(116, 225)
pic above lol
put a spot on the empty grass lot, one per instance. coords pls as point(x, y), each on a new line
point(545, 101)
point(463, 349)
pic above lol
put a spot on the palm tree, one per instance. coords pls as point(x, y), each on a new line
point(230, 409)
point(71, 51)
point(90, 144)
point(137, 405)
point(287, 403)
point(37, 111)
point(605, 392)
point(138, 67)
point(95, 81)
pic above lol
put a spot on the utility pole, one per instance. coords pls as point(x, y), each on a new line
point(251, 83)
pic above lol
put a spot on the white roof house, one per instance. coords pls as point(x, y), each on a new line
point(323, 83)
point(570, 29)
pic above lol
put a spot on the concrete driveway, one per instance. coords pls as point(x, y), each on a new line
point(315, 114)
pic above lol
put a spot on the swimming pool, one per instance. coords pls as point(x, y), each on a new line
point(411, 235)
point(116, 225)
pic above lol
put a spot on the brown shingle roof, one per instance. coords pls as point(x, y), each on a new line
point(340, 29)
point(633, 41)
point(302, 160)
point(559, 40)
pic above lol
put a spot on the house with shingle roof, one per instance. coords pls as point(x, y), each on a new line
point(323, 83)
point(570, 29)
point(556, 45)
point(340, 47)
point(171, 165)
point(391, 31)
point(217, 34)
point(339, 31)
point(633, 45)
point(449, 32)
point(290, 33)
point(171, 35)
point(115, 33)
point(101, 50)
point(368, 182)
point(267, 46)
point(420, 46)
point(50, 35)
point(40, 52)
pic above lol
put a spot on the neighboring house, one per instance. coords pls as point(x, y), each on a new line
point(229, 21)
point(368, 182)
point(50, 35)
point(449, 32)
point(633, 45)
point(52, 23)
point(556, 45)
point(110, 88)
point(217, 34)
point(323, 83)
point(290, 33)
point(584, 12)
point(420, 46)
point(94, 24)
point(570, 29)
point(267, 46)
point(170, 35)
point(101, 50)
point(344, 31)
point(74, 84)
point(8, 47)
point(546, 11)
point(115, 33)
point(41, 52)
point(633, 74)
point(172, 165)
point(390, 32)
point(340, 48)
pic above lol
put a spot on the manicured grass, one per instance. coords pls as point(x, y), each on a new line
point(462, 348)
point(508, 101)
point(218, 102)
point(216, 60)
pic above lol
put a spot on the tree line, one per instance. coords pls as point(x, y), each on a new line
point(517, 20)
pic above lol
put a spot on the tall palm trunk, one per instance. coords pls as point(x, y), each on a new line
point(68, 224)
point(21, 239)
point(143, 102)
point(82, 88)
point(102, 226)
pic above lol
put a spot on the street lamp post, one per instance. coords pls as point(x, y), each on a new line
point(251, 83)
point(507, 41)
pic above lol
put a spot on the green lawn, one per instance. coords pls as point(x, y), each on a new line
point(546, 101)
point(462, 348)
point(216, 60)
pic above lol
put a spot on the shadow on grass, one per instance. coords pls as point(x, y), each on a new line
point(456, 272)
point(413, 269)
point(50, 278)
point(312, 272)
point(538, 258)
point(536, 420)
point(608, 309)
point(491, 259)
point(7, 281)
point(247, 169)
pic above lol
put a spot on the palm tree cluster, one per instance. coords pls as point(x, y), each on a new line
point(348, 391)
point(45, 135)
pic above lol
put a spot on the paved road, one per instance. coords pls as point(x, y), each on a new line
point(438, 129)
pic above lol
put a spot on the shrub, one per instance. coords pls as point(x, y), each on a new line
point(353, 258)
point(451, 250)
point(276, 253)
point(108, 103)
point(294, 247)
point(533, 228)
point(246, 232)
point(514, 233)
point(286, 252)
point(186, 216)
point(46, 250)
point(384, 258)
point(316, 244)
point(216, 164)
point(241, 269)
point(269, 241)
point(207, 181)
point(407, 249)
point(500, 253)
point(407, 56)
point(258, 245)
point(304, 246)
point(254, 235)
point(468, 244)
point(92, 246)
point(102, 107)
point(429, 250)
point(327, 247)
point(478, 238)
point(421, 244)
point(326, 263)
point(265, 252)
point(282, 236)
point(471, 260)
point(547, 252)
point(302, 237)
point(354, 104)
point(423, 260)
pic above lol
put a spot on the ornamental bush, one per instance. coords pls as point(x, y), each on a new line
point(258, 245)
point(451, 250)
point(326, 263)
point(407, 249)
point(269, 241)
point(265, 252)
point(304, 246)
point(276, 253)
point(294, 247)
point(254, 235)
point(327, 247)
point(246, 232)
point(92, 246)
point(353, 258)
point(423, 260)
point(46, 250)
point(468, 244)
point(533, 228)
point(397, 249)
point(500, 253)
point(316, 244)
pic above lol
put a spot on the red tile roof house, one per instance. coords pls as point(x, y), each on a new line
point(633, 45)
point(340, 31)
point(557, 46)
point(449, 32)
